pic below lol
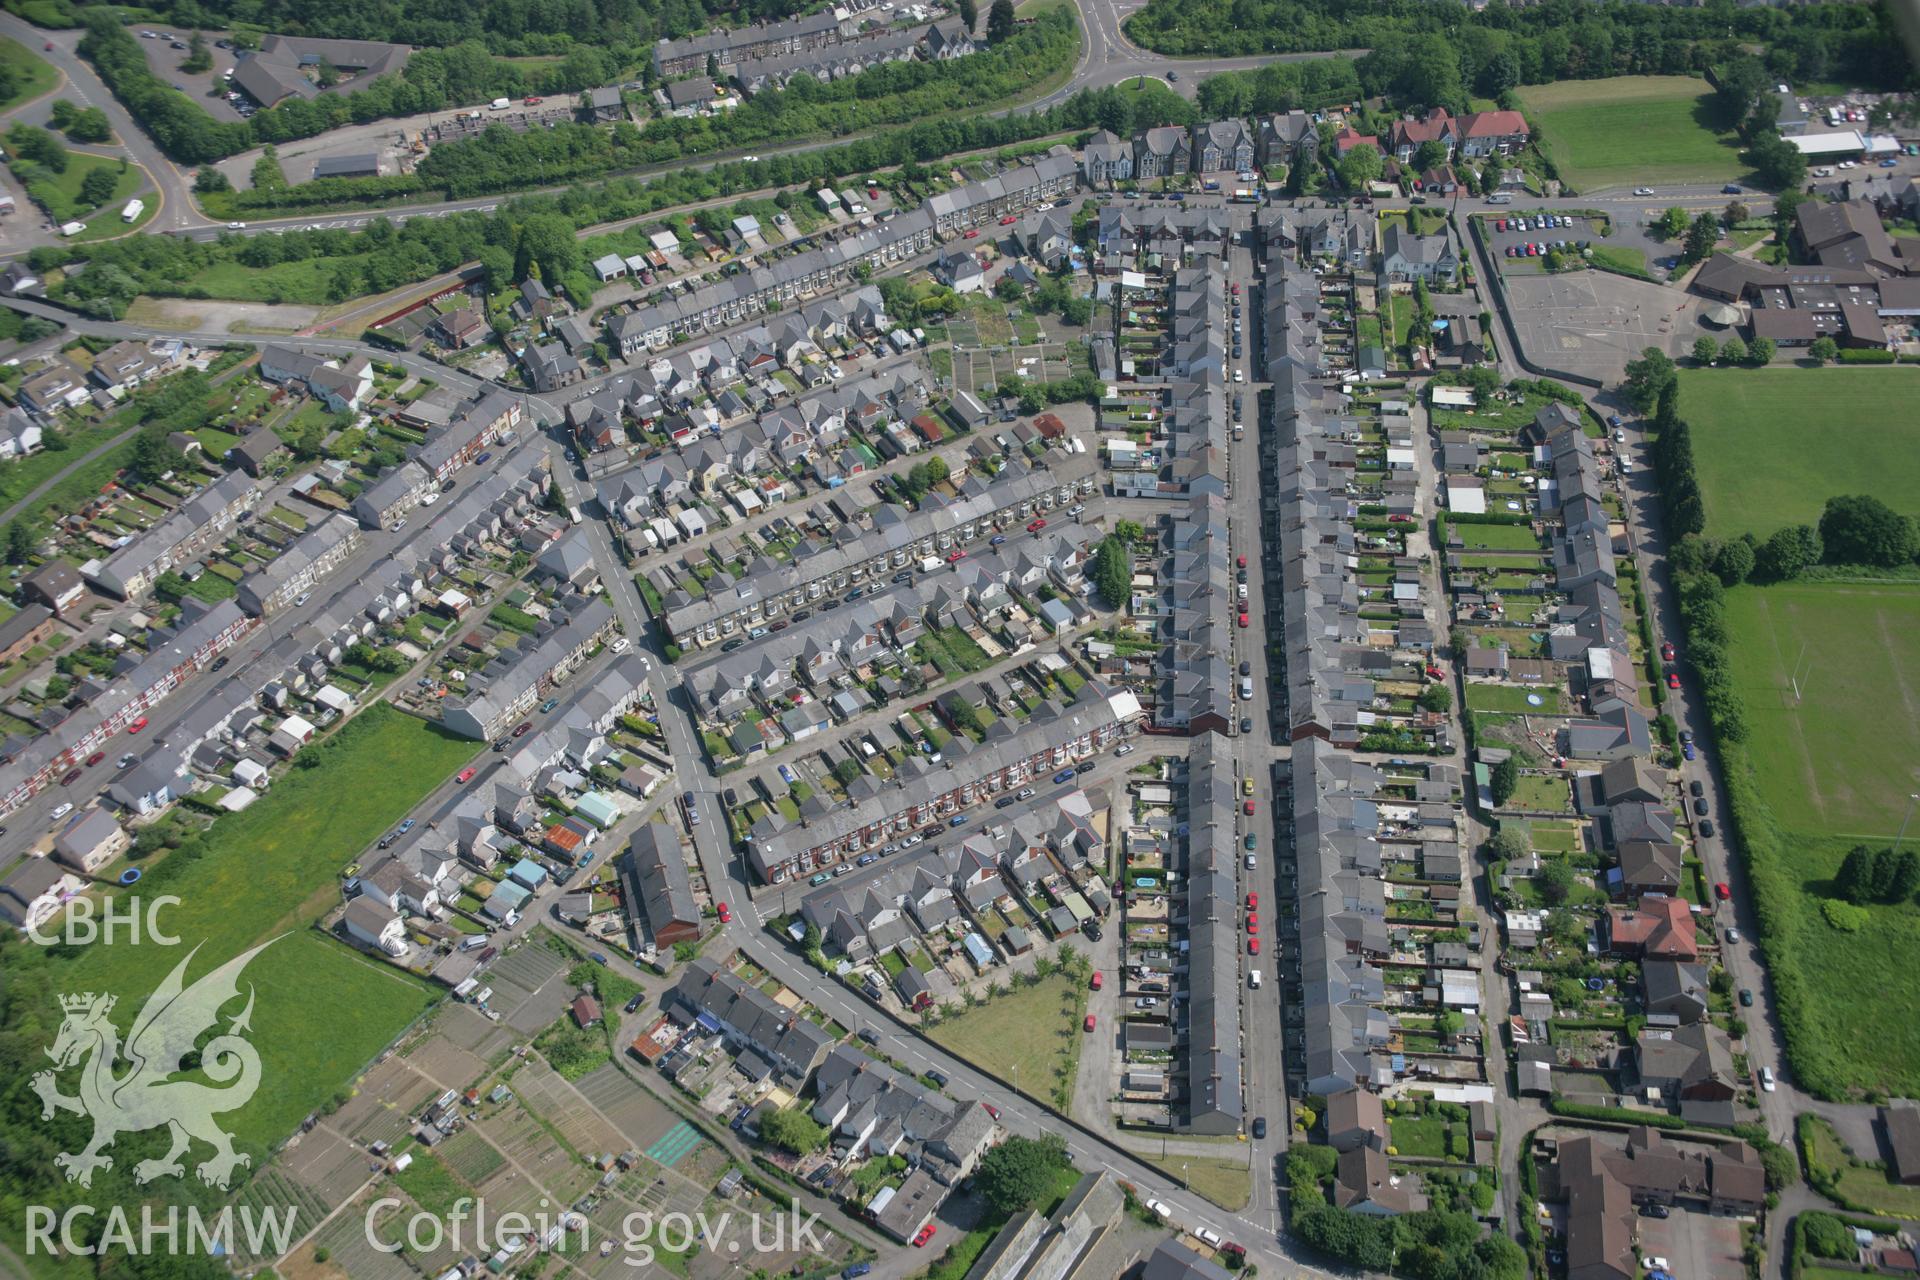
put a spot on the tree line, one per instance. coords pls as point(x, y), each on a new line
point(532, 233)
point(1442, 49)
point(516, 28)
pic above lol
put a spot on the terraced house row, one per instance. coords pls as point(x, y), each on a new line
point(923, 794)
point(771, 590)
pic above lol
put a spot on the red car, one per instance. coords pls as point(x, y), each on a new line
point(96, 758)
point(1088, 1024)
point(1253, 923)
point(1499, 224)
point(1721, 891)
point(1253, 900)
point(520, 730)
point(1253, 946)
point(1241, 563)
point(1098, 981)
point(1247, 808)
point(71, 778)
point(726, 916)
point(1008, 221)
point(1399, 519)
point(925, 1233)
point(991, 1110)
point(1035, 526)
point(957, 555)
point(1236, 291)
point(971, 235)
point(137, 725)
point(465, 775)
point(1673, 679)
point(1243, 621)
point(532, 101)
point(1666, 651)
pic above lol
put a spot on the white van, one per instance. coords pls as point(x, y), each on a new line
point(1253, 979)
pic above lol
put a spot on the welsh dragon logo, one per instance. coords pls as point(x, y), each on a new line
point(147, 1095)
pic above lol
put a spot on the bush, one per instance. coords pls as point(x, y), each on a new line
point(1825, 1236)
point(1867, 355)
point(1614, 1115)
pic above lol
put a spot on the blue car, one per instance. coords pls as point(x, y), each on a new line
point(996, 539)
point(855, 1271)
point(1065, 775)
point(958, 819)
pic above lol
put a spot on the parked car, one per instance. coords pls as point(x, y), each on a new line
point(137, 725)
point(925, 1233)
point(1090, 1023)
point(1667, 651)
point(1259, 1127)
point(1699, 807)
point(1722, 890)
point(96, 758)
point(720, 909)
point(72, 776)
point(1746, 998)
point(62, 809)
point(1706, 827)
point(465, 775)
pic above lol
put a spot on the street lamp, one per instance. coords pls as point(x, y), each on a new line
point(1903, 822)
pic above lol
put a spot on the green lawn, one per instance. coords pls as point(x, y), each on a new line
point(305, 281)
point(1542, 700)
point(1226, 1182)
point(1497, 537)
point(1624, 259)
point(1859, 1183)
point(1630, 130)
point(1035, 1029)
point(60, 192)
point(321, 1010)
point(1770, 446)
point(1419, 1136)
point(1823, 774)
point(1840, 761)
point(36, 75)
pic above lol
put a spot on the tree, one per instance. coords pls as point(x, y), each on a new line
point(1509, 843)
point(1734, 214)
point(1760, 352)
point(1017, 1173)
point(1702, 236)
point(1861, 529)
point(1825, 1236)
point(1359, 166)
point(39, 146)
point(1904, 878)
point(1824, 350)
point(1734, 563)
point(1505, 777)
point(1672, 223)
point(20, 542)
point(199, 58)
point(1648, 378)
point(1113, 571)
point(1733, 350)
point(1787, 553)
point(152, 456)
point(1555, 882)
point(97, 187)
point(965, 716)
point(793, 1131)
point(1777, 163)
point(999, 21)
point(1431, 155)
point(1436, 698)
point(1705, 349)
point(210, 180)
point(1854, 881)
point(970, 16)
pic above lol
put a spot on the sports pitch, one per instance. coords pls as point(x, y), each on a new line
point(1629, 130)
point(1842, 759)
point(1770, 446)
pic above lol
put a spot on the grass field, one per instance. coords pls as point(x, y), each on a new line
point(60, 192)
point(36, 74)
point(1842, 761)
point(1226, 1182)
point(268, 872)
point(305, 281)
point(1632, 129)
point(1859, 1183)
point(1770, 446)
point(1035, 1030)
point(1832, 771)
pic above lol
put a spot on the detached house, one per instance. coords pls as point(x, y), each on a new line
point(1107, 159)
point(1489, 133)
